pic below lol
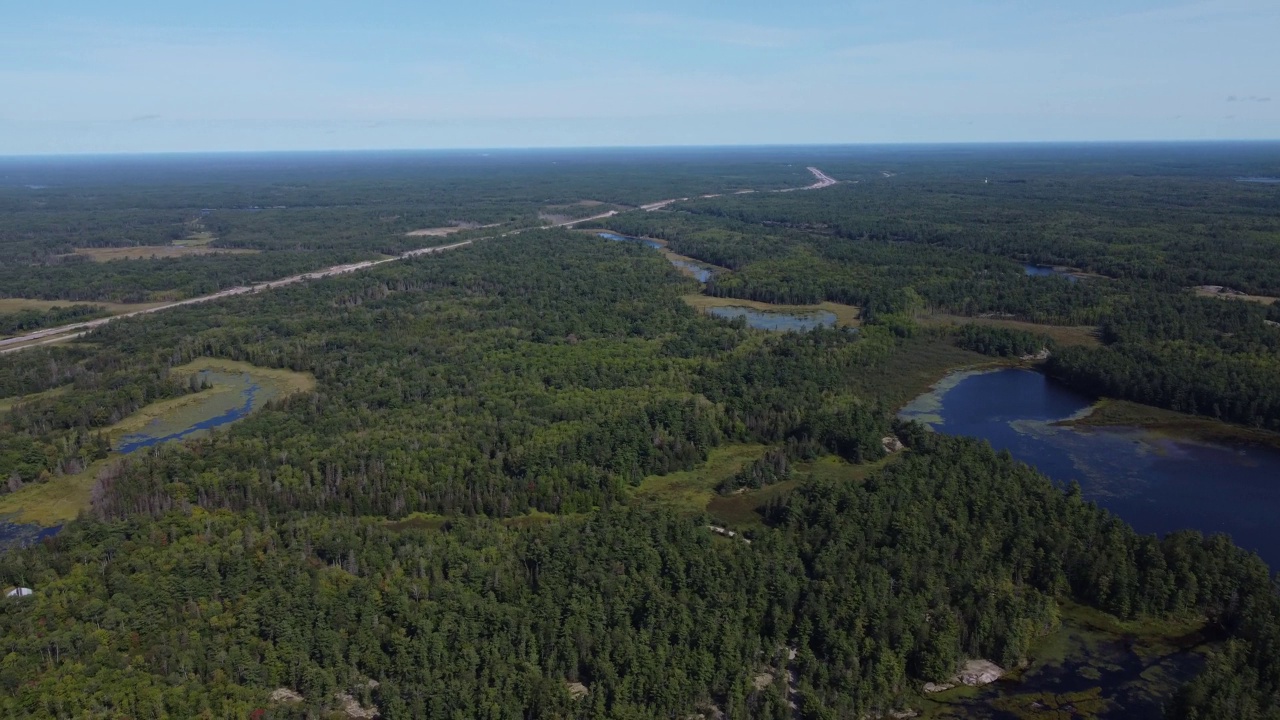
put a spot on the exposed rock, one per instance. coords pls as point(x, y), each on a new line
point(577, 690)
point(891, 444)
point(353, 709)
point(979, 672)
point(762, 681)
point(707, 712)
point(285, 695)
point(903, 714)
point(726, 532)
point(937, 687)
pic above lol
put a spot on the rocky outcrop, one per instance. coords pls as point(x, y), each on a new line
point(891, 444)
point(726, 532)
point(353, 709)
point(979, 672)
point(577, 690)
point(973, 673)
point(285, 695)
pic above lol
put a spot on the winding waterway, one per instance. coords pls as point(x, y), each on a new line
point(1156, 483)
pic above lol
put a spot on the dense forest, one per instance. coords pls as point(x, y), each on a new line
point(451, 525)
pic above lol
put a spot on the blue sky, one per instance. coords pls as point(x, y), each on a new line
point(150, 76)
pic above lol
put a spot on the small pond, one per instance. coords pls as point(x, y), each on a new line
point(1158, 484)
point(778, 321)
point(1048, 271)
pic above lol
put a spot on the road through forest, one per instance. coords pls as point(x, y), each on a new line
point(75, 330)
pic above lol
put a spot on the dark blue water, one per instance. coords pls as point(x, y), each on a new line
point(138, 441)
point(1157, 484)
point(626, 238)
point(19, 535)
point(780, 321)
point(1046, 271)
point(1266, 180)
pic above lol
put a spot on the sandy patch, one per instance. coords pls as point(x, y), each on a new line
point(1227, 293)
point(146, 252)
point(448, 230)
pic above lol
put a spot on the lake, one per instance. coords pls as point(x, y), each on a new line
point(1158, 484)
point(777, 321)
point(1264, 180)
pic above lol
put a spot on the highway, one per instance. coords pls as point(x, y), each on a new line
point(75, 330)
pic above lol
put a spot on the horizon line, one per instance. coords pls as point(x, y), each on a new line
point(553, 148)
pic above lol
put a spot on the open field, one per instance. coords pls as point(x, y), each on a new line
point(1222, 293)
point(1063, 335)
point(1122, 413)
point(147, 252)
point(448, 229)
point(9, 305)
point(62, 498)
point(846, 315)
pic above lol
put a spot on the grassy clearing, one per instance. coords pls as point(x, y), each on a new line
point(287, 381)
point(53, 502)
point(196, 239)
point(1113, 413)
point(690, 491)
point(846, 315)
point(146, 252)
point(693, 492)
point(10, 305)
point(1063, 335)
point(7, 404)
point(418, 521)
point(743, 510)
